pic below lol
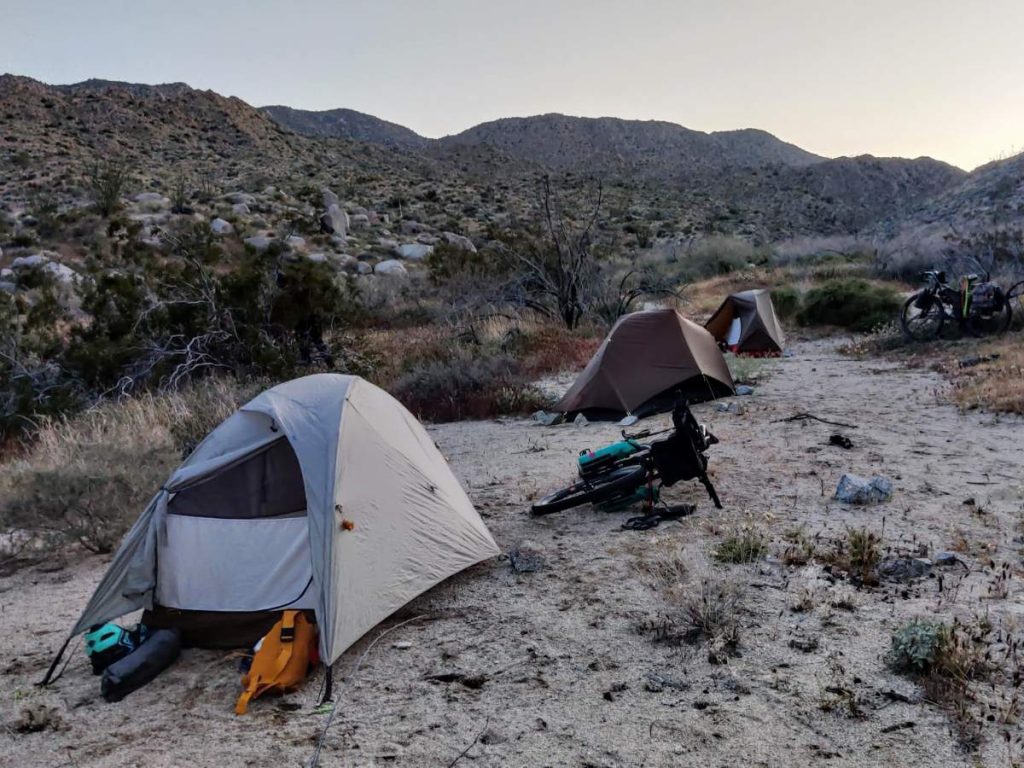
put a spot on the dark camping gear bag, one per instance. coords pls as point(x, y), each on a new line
point(143, 664)
point(107, 643)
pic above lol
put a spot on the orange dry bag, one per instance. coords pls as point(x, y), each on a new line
point(282, 659)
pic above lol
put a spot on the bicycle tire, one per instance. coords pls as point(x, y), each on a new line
point(1015, 298)
point(934, 313)
point(602, 488)
point(991, 325)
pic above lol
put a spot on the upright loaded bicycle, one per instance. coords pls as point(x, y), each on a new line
point(630, 470)
point(977, 306)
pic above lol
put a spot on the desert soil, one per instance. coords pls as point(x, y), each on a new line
point(567, 665)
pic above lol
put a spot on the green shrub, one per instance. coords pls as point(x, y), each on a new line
point(786, 300)
point(916, 646)
point(853, 304)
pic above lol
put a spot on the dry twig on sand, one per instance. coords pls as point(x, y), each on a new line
point(807, 416)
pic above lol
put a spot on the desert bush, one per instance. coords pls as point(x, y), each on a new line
point(106, 183)
point(749, 370)
point(721, 255)
point(855, 304)
point(465, 382)
point(786, 300)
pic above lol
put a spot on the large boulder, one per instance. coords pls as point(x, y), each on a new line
point(334, 221)
point(391, 268)
point(413, 251)
point(221, 227)
point(459, 241)
point(328, 199)
point(61, 273)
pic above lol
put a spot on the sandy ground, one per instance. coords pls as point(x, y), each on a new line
point(565, 664)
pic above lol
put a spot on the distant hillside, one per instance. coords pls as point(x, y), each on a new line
point(650, 149)
point(991, 194)
point(681, 183)
point(346, 124)
point(52, 133)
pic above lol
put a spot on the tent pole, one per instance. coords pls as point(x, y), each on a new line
point(53, 666)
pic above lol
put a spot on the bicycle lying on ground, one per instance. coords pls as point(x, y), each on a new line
point(978, 307)
point(633, 471)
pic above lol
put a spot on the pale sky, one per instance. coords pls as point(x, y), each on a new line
point(901, 77)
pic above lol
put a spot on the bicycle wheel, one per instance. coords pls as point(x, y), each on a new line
point(922, 317)
point(1015, 298)
point(618, 482)
point(988, 323)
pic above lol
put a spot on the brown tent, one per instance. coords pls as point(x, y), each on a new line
point(759, 329)
point(647, 357)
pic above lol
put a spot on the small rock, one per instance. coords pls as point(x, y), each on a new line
point(402, 645)
point(413, 251)
point(743, 389)
point(391, 268)
point(259, 243)
point(221, 227)
point(359, 221)
point(853, 489)
point(545, 418)
point(240, 197)
point(526, 557)
point(295, 242)
point(580, 420)
point(904, 568)
point(240, 209)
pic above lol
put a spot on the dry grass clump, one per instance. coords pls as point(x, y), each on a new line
point(997, 383)
point(745, 545)
point(86, 478)
point(858, 553)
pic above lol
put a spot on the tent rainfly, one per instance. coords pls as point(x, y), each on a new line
point(747, 324)
point(646, 358)
point(323, 493)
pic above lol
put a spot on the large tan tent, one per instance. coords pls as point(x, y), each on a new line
point(645, 360)
point(746, 323)
point(323, 493)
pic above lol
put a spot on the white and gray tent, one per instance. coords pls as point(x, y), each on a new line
point(323, 493)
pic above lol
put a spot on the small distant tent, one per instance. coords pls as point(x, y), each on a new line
point(747, 324)
point(324, 494)
point(645, 360)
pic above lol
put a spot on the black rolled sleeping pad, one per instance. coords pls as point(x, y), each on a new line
point(141, 665)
